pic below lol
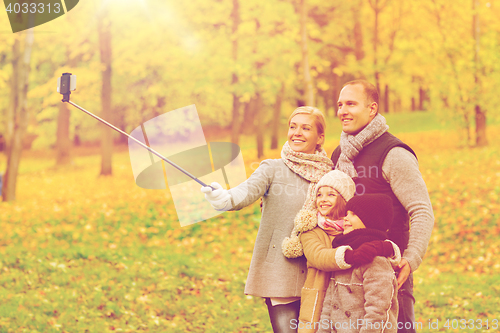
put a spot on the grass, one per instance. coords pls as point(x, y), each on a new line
point(447, 298)
point(83, 253)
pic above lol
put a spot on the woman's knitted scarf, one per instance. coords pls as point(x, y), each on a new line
point(358, 237)
point(309, 166)
point(352, 145)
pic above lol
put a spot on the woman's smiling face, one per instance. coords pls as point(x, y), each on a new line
point(303, 134)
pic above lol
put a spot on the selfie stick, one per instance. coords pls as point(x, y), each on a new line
point(67, 82)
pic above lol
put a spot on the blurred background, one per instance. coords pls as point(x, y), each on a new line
point(81, 251)
point(246, 64)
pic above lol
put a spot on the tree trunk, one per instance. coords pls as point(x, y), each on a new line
point(76, 138)
point(358, 32)
point(386, 98)
point(480, 114)
point(19, 111)
point(335, 92)
point(259, 132)
point(325, 96)
point(375, 44)
point(63, 142)
point(466, 126)
point(276, 117)
point(421, 98)
point(104, 31)
point(397, 105)
point(308, 86)
point(481, 139)
point(121, 123)
point(377, 8)
point(249, 116)
point(235, 125)
point(10, 115)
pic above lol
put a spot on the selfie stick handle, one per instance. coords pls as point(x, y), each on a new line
point(66, 99)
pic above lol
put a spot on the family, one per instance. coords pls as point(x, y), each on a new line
point(339, 237)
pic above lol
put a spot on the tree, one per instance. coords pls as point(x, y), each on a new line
point(63, 141)
point(275, 123)
point(235, 125)
point(377, 8)
point(104, 31)
point(464, 91)
point(480, 114)
point(17, 119)
point(259, 129)
point(307, 79)
point(388, 48)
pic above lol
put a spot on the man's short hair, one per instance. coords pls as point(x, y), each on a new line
point(370, 90)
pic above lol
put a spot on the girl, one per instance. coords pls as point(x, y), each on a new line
point(314, 231)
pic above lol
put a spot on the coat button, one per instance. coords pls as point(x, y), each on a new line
point(349, 290)
point(335, 307)
point(348, 314)
point(274, 246)
point(302, 271)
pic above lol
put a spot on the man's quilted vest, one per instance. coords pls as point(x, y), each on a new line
point(368, 165)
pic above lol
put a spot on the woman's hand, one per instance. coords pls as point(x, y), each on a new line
point(220, 199)
point(368, 251)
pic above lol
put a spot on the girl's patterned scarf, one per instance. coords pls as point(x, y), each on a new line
point(309, 166)
point(351, 145)
point(331, 227)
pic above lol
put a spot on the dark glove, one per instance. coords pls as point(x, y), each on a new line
point(367, 251)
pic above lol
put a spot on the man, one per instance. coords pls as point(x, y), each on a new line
point(381, 163)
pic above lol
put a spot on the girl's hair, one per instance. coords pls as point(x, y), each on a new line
point(319, 118)
point(338, 211)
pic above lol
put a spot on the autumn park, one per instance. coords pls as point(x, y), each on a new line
point(85, 249)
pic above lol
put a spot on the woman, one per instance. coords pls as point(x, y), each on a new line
point(284, 185)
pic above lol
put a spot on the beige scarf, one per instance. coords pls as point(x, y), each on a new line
point(352, 145)
point(309, 166)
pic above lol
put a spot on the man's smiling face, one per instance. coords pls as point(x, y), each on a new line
point(354, 110)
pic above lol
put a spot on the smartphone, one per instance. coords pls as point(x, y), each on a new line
point(66, 83)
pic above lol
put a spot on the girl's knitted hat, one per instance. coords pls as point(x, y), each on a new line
point(306, 220)
point(339, 181)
